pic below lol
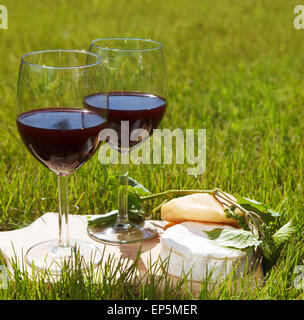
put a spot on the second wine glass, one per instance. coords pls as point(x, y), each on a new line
point(136, 87)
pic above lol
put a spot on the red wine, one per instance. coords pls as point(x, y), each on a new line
point(62, 139)
point(142, 110)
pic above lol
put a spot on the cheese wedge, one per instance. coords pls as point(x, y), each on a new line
point(188, 251)
point(195, 207)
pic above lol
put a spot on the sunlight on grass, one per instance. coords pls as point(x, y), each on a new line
point(235, 68)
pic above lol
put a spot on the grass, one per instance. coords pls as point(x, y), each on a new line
point(235, 68)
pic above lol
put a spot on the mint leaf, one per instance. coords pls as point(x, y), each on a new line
point(273, 213)
point(284, 233)
point(238, 239)
point(134, 201)
point(139, 188)
point(104, 220)
point(268, 247)
point(266, 214)
point(135, 191)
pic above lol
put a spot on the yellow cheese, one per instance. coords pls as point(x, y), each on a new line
point(201, 207)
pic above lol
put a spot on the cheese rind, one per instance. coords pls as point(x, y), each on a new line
point(188, 251)
point(195, 207)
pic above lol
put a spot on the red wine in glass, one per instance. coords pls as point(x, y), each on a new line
point(141, 110)
point(62, 139)
point(62, 136)
point(134, 99)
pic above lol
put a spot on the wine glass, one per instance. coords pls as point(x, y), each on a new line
point(136, 84)
point(60, 134)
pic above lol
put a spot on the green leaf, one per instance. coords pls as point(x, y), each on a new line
point(134, 201)
point(135, 191)
point(238, 239)
point(268, 247)
point(273, 213)
point(140, 189)
point(284, 233)
point(266, 214)
point(137, 216)
point(103, 220)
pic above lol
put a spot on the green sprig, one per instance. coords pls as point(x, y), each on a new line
point(256, 218)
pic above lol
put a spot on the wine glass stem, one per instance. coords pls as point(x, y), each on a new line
point(63, 194)
point(122, 216)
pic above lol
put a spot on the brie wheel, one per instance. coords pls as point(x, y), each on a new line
point(187, 250)
point(196, 207)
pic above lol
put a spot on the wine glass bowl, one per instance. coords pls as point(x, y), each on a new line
point(62, 139)
point(139, 109)
point(60, 134)
point(136, 87)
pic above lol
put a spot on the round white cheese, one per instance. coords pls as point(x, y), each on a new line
point(187, 250)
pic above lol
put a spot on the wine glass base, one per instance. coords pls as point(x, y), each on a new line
point(123, 234)
point(50, 257)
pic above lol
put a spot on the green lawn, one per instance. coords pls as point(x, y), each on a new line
point(235, 68)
